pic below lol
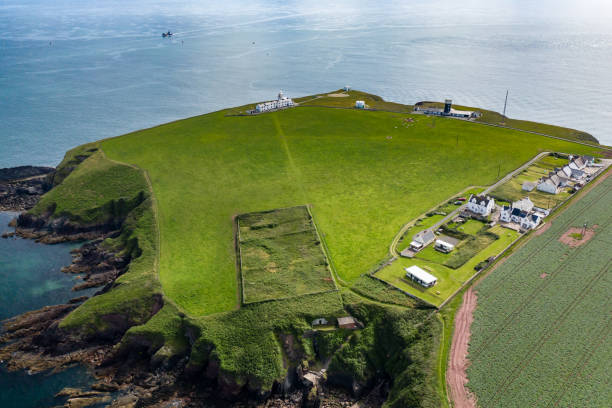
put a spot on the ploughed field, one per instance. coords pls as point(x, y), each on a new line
point(543, 324)
point(364, 173)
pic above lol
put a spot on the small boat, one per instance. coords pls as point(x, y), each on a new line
point(168, 34)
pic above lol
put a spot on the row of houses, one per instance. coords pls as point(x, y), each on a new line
point(281, 102)
point(561, 177)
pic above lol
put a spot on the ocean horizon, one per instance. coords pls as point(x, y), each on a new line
point(74, 72)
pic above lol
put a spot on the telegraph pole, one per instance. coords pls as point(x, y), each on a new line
point(505, 104)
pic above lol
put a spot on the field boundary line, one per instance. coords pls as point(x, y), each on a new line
point(242, 299)
point(154, 209)
point(326, 253)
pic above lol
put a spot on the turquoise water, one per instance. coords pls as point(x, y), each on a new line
point(30, 278)
point(73, 71)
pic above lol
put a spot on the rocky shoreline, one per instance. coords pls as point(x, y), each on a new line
point(126, 375)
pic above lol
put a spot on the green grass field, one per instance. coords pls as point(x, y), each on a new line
point(281, 255)
point(364, 174)
point(495, 118)
point(471, 227)
point(449, 280)
point(541, 330)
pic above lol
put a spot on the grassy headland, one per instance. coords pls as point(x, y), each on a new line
point(364, 174)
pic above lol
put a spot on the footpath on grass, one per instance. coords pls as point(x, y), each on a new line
point(456, 375)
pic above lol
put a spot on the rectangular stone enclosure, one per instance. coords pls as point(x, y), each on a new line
point(280, 255)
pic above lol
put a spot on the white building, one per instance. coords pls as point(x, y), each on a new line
point(445, 244)
point(505, 213)
point(421, 239)
point(567, 170)
point(524, 205)
point(528, 186)
point(481, 205)
point(360, 104)
point(420, 276)
point(281, 102)
point(530, 221)
point(551, 184)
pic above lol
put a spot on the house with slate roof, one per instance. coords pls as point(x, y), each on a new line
point(421, 239)
point(481, 205)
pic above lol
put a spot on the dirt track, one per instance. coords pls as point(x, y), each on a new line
point(456, 375)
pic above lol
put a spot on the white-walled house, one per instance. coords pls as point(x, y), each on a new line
point(504, 214)
point(360, 104)
point(552, 183)
point(567, 170)
point(530, 221)
point(524, 219)
point(524, 205)
point(421, 239)
point(281, 102)
point(481, 205)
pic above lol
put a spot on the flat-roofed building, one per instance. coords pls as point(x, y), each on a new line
point(420, 276)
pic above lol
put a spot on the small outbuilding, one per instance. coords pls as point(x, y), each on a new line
point(421, 239)
point(445, 244)
point(320, 322)
point(528, 186)
point(360, 104)
point(420, 276)
point(348, 322)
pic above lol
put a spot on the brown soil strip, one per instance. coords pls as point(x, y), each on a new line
point(572, 242)
point(456, 375)
point(543, 229)
point(338, 95)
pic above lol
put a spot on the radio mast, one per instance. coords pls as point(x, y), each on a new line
point(505, 104)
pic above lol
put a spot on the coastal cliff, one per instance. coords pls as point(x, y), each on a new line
point(143, 350)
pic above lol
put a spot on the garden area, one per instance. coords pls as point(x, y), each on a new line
point(452, 270)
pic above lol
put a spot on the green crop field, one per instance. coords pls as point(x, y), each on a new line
point(449, 280)
point(364, 173)
point(542, 327)
point(281, 255)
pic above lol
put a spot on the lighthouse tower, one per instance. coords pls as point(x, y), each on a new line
point(280, 95)
point(447, 106)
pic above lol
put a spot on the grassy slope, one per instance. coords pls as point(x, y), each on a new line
point(363, 185)
point(89, 191)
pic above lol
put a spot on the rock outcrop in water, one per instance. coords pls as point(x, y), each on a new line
point(21, 187)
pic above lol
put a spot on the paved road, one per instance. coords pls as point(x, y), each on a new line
point(486, 191)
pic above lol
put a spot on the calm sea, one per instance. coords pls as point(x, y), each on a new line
point(30, 278)
point(73, 71)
